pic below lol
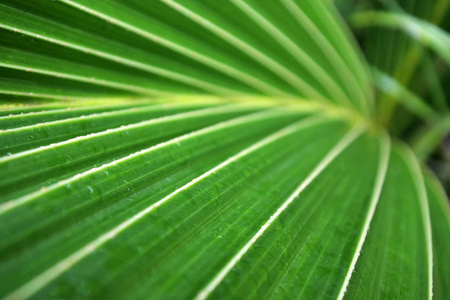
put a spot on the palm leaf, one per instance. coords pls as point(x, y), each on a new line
point(212, 149)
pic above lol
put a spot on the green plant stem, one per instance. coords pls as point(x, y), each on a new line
point(399, 94)
point(429, 139)
point(404, 73)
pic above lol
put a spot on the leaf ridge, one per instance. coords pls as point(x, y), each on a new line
point(419, 181)
point(336, 60)
point(385, 145)
point(4, 207)
point(38, 282)
point(331, 155)
point(127, 61)
point(299, 84)
point(301, 56)
point(244, 77)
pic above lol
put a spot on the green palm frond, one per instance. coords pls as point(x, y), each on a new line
point(179, 149)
